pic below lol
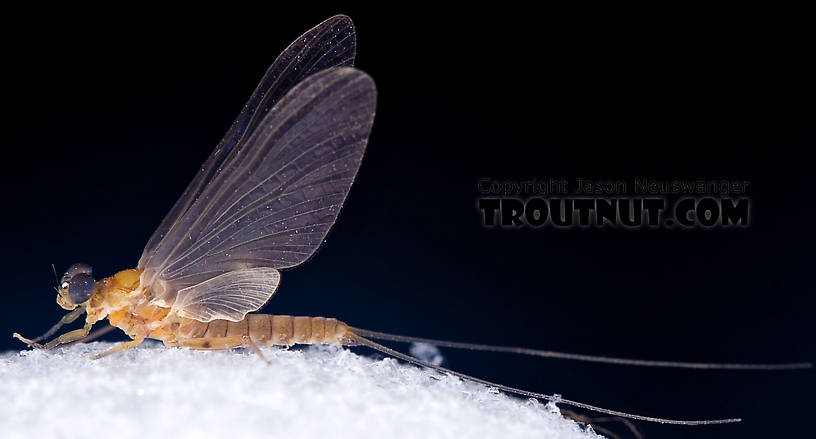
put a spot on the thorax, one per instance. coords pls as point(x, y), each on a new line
point(127, 306)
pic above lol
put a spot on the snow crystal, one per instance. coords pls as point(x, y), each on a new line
point(319, 391)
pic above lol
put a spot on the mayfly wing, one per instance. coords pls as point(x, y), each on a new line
point(329, 44)
point(228, 296)
point(271, 203)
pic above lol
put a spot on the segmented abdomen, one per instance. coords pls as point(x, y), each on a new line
point(269, 330)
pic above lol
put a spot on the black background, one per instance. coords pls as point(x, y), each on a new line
point(107, 119)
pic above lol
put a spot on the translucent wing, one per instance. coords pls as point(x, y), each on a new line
point(228, 296)
point(273, 200)
point(329, 44)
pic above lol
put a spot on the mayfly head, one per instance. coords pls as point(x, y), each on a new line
point(76, 286)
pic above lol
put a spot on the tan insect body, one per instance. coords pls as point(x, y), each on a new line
point(264, 201)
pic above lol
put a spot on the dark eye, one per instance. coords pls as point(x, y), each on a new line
point(75, 269)
point(80, 287)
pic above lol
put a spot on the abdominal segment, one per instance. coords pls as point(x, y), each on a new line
point(263, 330)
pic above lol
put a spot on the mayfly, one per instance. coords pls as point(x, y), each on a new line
point(264, 201)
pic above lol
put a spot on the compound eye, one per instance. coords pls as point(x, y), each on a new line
point(75, 269)
point(80, 287)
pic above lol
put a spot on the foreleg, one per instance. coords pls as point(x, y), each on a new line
point(64, 338)
point(66, 319)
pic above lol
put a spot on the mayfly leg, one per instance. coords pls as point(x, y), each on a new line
point(92, 336)
point(250, 343)
point(118, 348)
point(219, 343)
point(66, 319)
point(212, 343)
point(62, 339)
point(88, 338)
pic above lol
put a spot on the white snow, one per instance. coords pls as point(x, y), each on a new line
point(152, 391)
